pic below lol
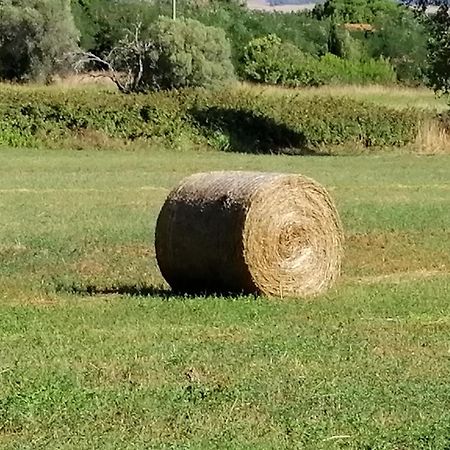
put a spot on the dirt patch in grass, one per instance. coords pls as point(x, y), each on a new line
point(108, 260)
point(390, 254)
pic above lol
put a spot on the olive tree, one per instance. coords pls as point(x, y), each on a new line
point(34, 36)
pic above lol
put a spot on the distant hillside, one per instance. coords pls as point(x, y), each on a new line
point(297, 5)
point(281, 5)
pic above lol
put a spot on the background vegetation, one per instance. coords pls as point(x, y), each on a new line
point(34, 35)
point(396, 33)
point(365, 36)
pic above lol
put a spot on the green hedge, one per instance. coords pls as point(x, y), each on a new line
point(234, 119)
point(40, 117)
point(274, 123)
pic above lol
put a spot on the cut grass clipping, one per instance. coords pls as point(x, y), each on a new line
point(264, 233)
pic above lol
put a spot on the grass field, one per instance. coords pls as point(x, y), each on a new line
point(96, 353)
point(395, 96)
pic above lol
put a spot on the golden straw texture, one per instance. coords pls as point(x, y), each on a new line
point(250, 232)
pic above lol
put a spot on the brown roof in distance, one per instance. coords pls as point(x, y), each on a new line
point(359, 27)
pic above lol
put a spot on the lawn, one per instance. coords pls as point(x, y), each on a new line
point(96, 353)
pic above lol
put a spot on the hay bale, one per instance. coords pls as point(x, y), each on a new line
point(249, 232)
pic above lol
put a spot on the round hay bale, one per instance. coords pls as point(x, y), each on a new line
point(249, 232)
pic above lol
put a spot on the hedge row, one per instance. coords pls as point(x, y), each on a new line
point(277, 122)
point(235, 119)
point(41, 117)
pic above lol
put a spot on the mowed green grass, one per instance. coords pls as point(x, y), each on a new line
point(96, 353)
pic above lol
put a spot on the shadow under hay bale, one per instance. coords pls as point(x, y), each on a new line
point(249, 232)
point(92, 290)
point(131, 290)
point(244, 131)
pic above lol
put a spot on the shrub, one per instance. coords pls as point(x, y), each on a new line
point(103, 23)
point(33, 37)
point(342, 44)
point(269, 60)
point(37, 117)
point(403, 40)
point(334, 70)
point(189, 54)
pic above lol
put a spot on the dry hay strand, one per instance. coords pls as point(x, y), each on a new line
point(433, 139)
point(265, 233)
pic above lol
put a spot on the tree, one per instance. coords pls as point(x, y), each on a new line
point(342, 44)
point(189, 54)
point(34, 36)
point(356, 11)
point(105, 23)
point(403, 40)
point(439, 51)
point(171, 54)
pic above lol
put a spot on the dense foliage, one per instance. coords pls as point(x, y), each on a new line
point(34, 36)
point(269, 60)
point(364, 35)
point(242, 25)
point(188, 54)
point(239, 120)
point(169, 54)
point(104, 23)
point(439, 51)
point(403, 40)
point(398, 36)
point(357, 11)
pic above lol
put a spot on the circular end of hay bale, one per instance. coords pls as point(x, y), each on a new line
point(292, 238)
point(249, 232)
